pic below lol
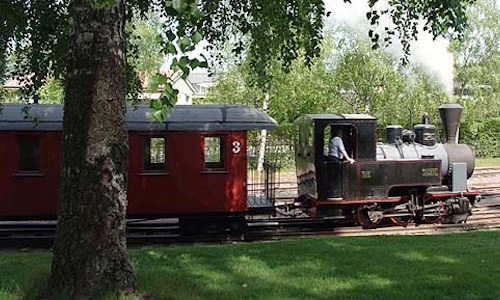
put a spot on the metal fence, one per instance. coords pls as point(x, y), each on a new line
point(262, 186)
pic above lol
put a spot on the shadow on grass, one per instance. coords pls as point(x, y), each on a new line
point(23, 275)
point(445, 267)
point(463, 266)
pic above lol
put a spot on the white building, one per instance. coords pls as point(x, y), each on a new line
point(195, 86)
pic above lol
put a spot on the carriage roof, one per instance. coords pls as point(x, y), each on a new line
point(181, 117)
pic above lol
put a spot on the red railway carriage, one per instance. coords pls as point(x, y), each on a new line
point(194, 163)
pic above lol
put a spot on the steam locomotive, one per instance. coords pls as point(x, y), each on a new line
point(409, 178)
point(194, 167)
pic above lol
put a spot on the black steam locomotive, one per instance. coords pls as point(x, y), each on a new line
point(411, 178)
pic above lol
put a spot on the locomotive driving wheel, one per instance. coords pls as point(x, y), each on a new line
point(369, 216)
point(401, 221)
point(401, 215)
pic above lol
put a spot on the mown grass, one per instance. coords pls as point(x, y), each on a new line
point(461, 266)
point(488, 162)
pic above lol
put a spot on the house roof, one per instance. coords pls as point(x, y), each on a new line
point(181, 118)
point(202, 78)
point(12, 84)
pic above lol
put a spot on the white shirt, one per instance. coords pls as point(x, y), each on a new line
point(336, 147)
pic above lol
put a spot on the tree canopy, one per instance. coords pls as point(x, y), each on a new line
point(477, 78)
point(260, 30)
point(348, 76)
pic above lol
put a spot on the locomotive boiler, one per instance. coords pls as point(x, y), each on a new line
point(412, 177)
point(421, 143)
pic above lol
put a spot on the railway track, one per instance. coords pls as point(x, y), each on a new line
point(486, 171)
point(486, 179)
point(486, 216)
point(36, 235)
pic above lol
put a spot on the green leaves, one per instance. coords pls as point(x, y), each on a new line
point(349, 77)
point(185, 44)
point(168, 97)
point(477, 73)
point(102, 4)
point(155, 104)
point(266, 30)
point(197, 37)
point(170, 49)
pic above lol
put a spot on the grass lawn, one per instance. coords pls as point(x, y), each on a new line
point(461, 266)
point(488, 162)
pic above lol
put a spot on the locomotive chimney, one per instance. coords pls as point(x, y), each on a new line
point(450, 115)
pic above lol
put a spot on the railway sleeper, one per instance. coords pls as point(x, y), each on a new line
point(202, 225)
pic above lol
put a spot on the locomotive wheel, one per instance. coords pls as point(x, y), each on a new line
point(401, 221)
point(369, 217)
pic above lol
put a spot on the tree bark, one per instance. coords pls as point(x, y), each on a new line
point(263, 136)
point(90, 253)
point(368, 105)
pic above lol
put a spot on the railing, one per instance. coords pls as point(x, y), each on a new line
point(262, 186)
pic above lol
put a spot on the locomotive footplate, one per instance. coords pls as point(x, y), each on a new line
point(472, 195)
point(458, 205)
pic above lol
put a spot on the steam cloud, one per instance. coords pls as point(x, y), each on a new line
point(432, 55)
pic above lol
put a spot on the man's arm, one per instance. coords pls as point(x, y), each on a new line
point(342, 150)
point(350, 160)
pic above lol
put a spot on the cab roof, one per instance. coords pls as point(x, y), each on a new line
point(336, 117)
point(181, 118)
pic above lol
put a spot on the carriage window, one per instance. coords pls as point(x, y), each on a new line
point(214, 152)
point(29, 154)
point(154, 153)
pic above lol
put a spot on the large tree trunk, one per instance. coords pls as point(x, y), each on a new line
point(90, 254)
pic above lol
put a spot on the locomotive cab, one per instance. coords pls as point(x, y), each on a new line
point(322, 179)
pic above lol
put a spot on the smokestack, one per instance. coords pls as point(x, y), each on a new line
point(450, 115)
